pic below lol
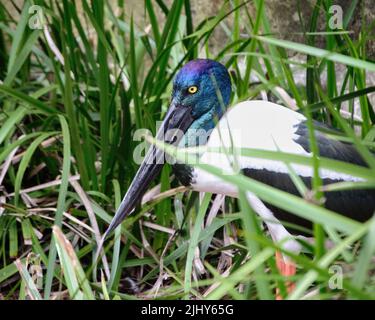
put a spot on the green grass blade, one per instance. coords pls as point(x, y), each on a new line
point(75, 278)
point(194, 241)
point(30, 285)
point(319, 53)
point(60, 204)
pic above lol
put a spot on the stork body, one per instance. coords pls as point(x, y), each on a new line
point(268, 126)
point(201, 95)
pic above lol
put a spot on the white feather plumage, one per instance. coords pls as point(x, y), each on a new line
point(259, 125)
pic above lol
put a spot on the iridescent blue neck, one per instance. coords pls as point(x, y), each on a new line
point(201, 128)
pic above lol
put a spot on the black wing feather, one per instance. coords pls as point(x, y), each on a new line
point(355, 204)
point(328, 148)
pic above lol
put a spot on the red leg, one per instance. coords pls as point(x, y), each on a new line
point(286, 269)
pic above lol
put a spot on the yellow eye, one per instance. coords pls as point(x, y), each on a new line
point(193, 89)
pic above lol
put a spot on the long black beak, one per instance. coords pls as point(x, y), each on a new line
point(177, 117)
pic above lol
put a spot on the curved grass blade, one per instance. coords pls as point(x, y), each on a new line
point(25, 163)
point(75, 278)
point(15, 117)
point(320, 53)
point(29, 101)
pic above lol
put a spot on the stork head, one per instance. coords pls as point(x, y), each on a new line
point(202, 85)
point(201, 92)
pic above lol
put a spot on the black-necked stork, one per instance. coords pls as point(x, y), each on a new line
point(201, 95)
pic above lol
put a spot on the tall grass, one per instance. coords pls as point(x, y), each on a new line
point(72, 94)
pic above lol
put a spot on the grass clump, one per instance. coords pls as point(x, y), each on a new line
point(76, 85)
